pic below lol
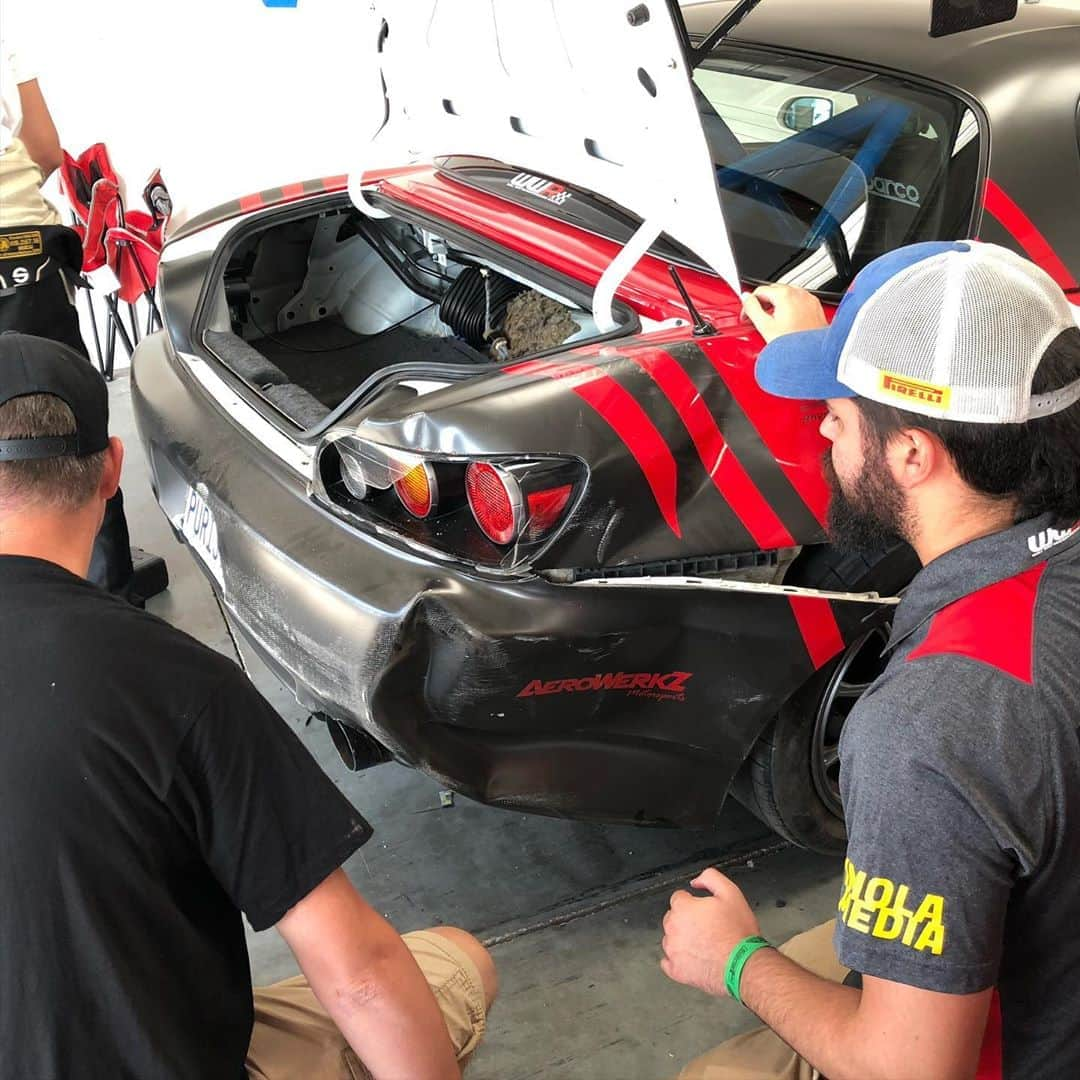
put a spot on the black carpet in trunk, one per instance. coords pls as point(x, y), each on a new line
point(327, 359)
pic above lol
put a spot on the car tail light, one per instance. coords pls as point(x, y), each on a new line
point(495, 500)
point(545, 508)
point(488, 512)
point(418, 490)
point(352, 474)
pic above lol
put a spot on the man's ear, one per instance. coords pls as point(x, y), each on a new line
point(914, 456)
point(114, 463)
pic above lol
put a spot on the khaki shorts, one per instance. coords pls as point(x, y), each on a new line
point(293, 1036)
point(21, 201)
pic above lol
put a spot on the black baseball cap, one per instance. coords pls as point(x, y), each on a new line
point(35, 365)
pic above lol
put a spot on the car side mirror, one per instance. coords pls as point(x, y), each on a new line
point(805, 112)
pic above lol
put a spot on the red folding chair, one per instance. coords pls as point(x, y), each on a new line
point(120, 251)
point(139, 236)
point(77, 179)
point(105, 213)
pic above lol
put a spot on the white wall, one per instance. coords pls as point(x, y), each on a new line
point(228, 97)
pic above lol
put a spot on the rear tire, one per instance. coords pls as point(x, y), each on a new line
point(790, 780)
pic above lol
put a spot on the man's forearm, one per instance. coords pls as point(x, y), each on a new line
point(369, 983)
point(815, 1017)
point(846, 1036)
point(391, 1019)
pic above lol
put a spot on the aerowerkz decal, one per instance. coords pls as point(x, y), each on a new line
point(541, 187)
point(660, 686)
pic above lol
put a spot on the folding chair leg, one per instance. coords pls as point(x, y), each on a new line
point(93, 326)
point(116, 327)
point(110, 346)
point(134, 324)
point(153, 316)
point(148, 293)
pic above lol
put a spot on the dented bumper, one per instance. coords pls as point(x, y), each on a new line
point(629, 704)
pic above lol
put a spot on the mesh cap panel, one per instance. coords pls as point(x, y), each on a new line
point(960, 336)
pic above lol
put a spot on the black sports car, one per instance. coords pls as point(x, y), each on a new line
point(472, 450)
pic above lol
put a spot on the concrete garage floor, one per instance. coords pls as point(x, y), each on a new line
point(572, 911)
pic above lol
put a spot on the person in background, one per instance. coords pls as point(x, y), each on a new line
point(40, 263)
point(147, 804)
point(951, 377)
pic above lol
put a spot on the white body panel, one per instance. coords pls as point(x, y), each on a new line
point(565, 90)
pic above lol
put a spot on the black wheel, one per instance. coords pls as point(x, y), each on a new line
point(791, 778)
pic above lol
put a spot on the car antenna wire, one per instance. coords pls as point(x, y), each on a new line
point(701, 327)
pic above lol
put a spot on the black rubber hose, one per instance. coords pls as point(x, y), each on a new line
point(470, 302)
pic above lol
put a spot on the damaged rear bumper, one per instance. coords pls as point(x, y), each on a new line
point(633, 703)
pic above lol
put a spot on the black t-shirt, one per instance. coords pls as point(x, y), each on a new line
point(148, 796)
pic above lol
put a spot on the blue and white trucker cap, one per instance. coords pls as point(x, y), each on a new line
point(952, 330)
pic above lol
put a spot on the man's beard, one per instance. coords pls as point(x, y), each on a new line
point(873, 514)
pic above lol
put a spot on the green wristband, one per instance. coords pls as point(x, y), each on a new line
point(737, 961)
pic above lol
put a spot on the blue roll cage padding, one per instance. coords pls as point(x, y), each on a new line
point(881, 119)
point(852, 185)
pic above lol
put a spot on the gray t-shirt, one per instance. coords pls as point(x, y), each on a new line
point(961, 786)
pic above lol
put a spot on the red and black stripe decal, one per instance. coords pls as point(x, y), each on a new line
point(820, 631)
point(683, 427)
point(719, 460)
point(653, 399)
point(619, 408)
point(260, 200)
point(757, 459)
point(1026, 234)
point(766, 424)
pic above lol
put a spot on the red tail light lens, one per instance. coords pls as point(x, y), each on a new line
point(418, 490)
point(545, 508)
point(495, 500)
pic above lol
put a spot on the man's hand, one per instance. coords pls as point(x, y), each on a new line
point(776, 310)
point(701, 932)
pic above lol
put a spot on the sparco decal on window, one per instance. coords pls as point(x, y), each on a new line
point(669, 686)
point(896, 190)
point(540, 187)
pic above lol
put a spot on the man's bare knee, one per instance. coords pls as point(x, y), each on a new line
point(477, 954)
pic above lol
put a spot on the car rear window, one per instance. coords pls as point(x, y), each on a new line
point(822, 167)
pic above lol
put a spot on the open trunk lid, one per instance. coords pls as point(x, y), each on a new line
point(596, 95)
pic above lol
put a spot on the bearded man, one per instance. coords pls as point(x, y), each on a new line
point(951, 375)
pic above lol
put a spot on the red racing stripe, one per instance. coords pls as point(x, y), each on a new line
point(628, 420)
point(725, 471)
point(293, 191)
point(251, 202)
point(780, 424)
point(818, 627)
point(1023, 230)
